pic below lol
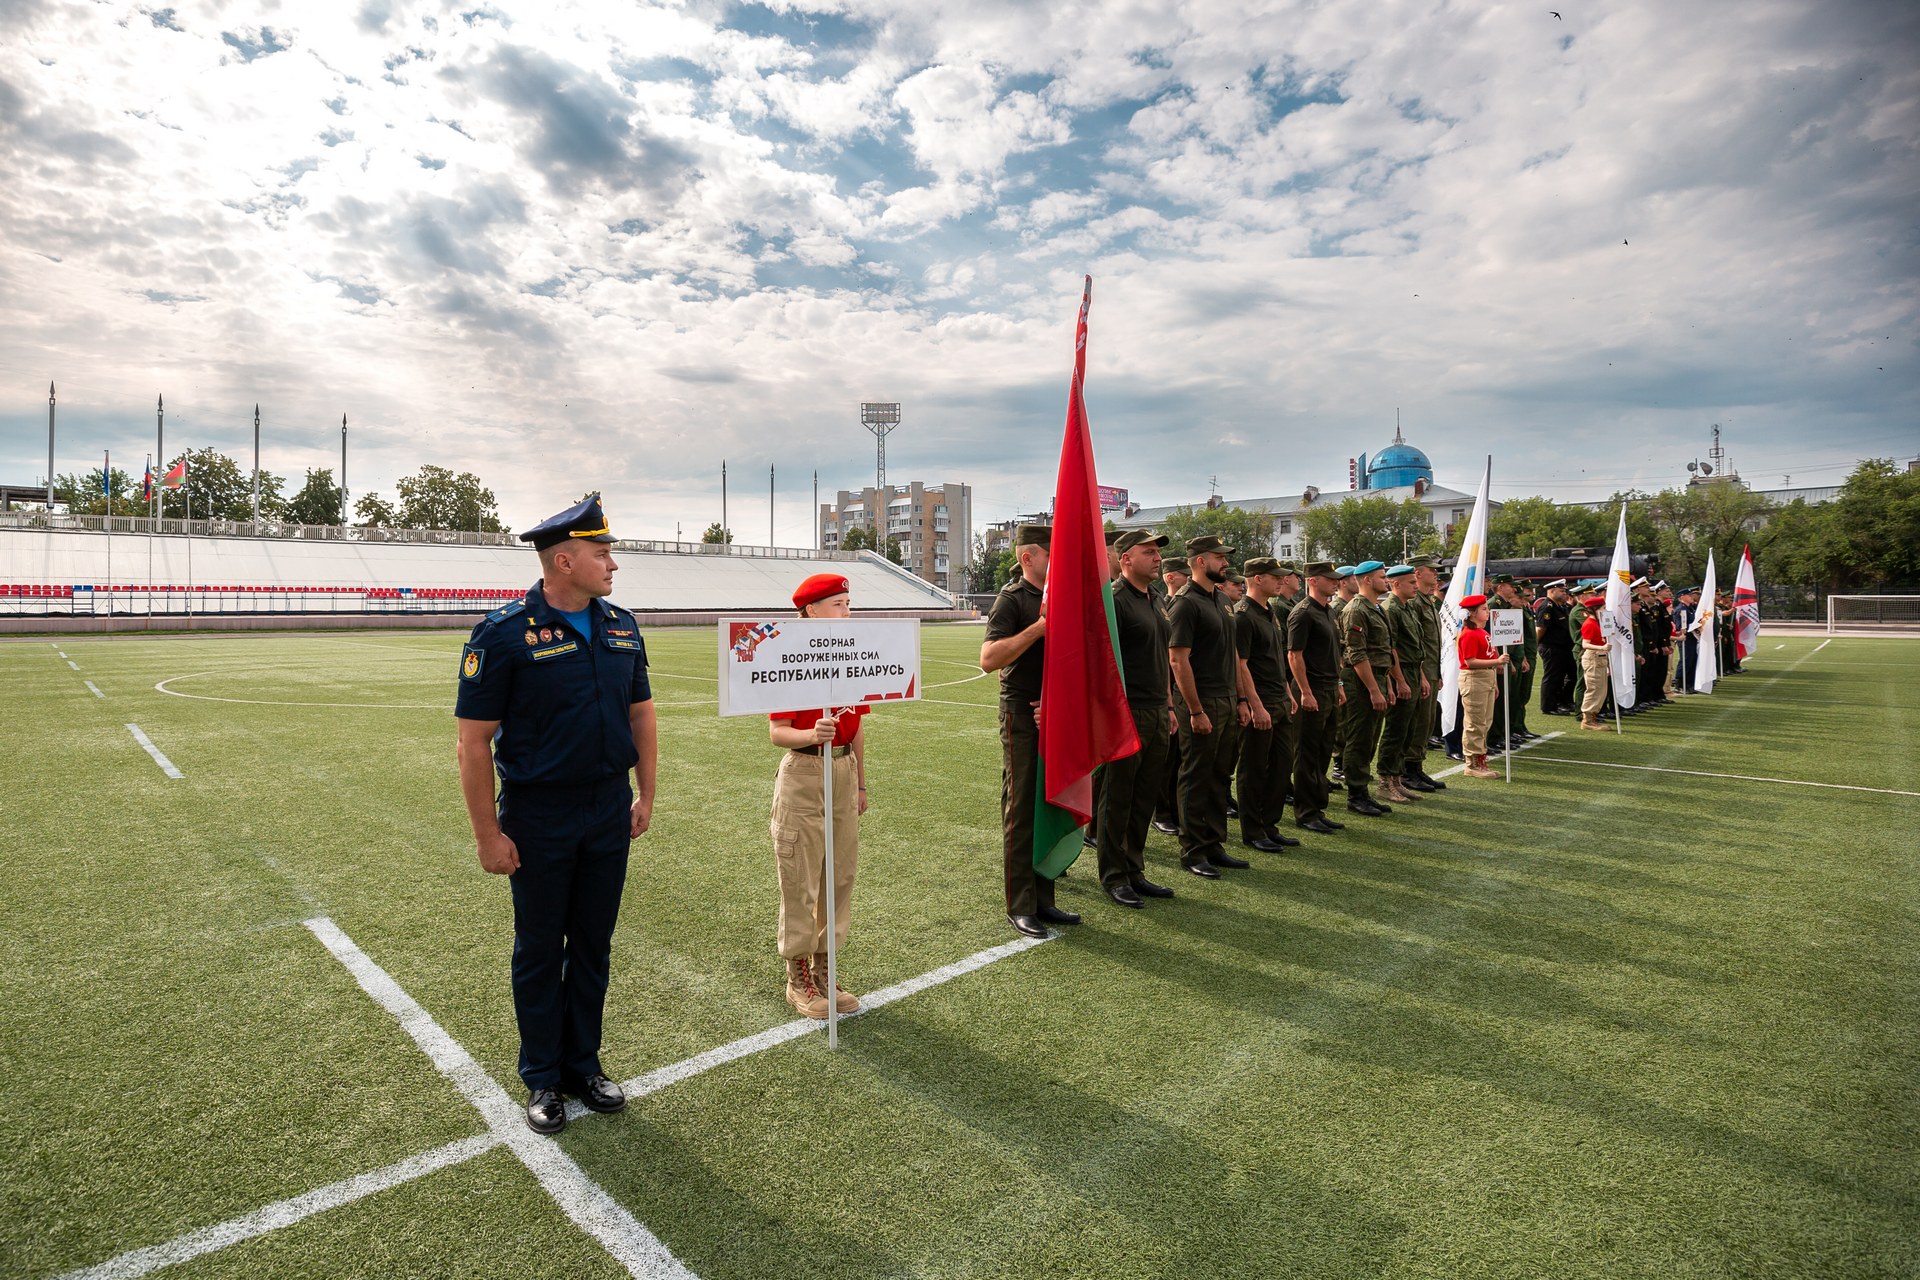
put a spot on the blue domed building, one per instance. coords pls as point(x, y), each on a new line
point(1398, 466)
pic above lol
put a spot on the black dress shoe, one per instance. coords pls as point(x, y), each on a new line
point(1054, 915)
point(545, 1112)
point(1413, 782)
point(1455, 755)
point(1165, 828)
point(1029, 925)
point(1147, 888)
point(1221, 858)
point(599, 1094)
point(1123, 894)
point(1366, 808)
point(1266, 845)
point(1202, 869)
point(1433, 783)
point(1287, 842)
point(1090, 841)
point(1233, 810)
point(1321, 825)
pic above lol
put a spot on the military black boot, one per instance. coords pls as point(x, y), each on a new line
point(1358, 801)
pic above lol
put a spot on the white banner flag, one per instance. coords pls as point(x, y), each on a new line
point(1616, 618)
point(1469, 579)
point(1706, 667)
point(1746, 608)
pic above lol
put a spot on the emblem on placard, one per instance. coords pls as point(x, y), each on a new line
point(744, 637)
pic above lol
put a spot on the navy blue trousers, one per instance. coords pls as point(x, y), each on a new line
point(573, 844)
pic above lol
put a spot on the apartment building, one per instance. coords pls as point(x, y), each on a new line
point(932, 523)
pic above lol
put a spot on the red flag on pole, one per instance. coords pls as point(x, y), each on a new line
point(1084, 720)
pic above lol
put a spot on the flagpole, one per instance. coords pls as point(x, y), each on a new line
point(106, 482)
point(152, 490)
point(826, 794)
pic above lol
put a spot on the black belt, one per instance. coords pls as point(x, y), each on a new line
point(815, 750)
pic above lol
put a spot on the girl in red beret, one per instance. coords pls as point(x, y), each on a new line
point(1597, 663)
point(1479, 677)
point(799, 822)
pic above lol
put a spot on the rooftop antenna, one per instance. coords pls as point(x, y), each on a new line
point(1397, 437)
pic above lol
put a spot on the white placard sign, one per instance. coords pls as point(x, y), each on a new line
point(784, 663)
point(1504, 627)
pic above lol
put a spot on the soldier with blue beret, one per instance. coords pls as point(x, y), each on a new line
point(554, 698)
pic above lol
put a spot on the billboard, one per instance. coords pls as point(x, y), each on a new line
point(1112, 499)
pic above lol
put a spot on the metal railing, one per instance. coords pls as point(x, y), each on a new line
point(288, 531)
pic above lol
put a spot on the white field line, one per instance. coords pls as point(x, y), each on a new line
point(73, 664)
point(1778, 646)
point(580, 1197)
point(166, 765)
point(1525, 746)
point(61, 652)
point(1817, 648)
point(284, 1213)
point(1734, 777)
point(96, 690)
point(656, 1080)
point(978, 675)
point(287, 1212)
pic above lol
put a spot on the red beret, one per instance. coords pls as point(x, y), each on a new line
point(1472, 602)
point(818, 588)
point(1594, 602)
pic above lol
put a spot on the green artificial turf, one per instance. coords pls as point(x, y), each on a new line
point(1600, 1022)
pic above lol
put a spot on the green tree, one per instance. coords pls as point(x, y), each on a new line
point(716, 535)
point(1248, 532)
point(1877, 520)
point(1690, 521)
point(1801, 545)
point(376, 512)
point(856, 539)
point(318, 501)
point(1533, 527)
point(1360, 529)
point(216, 488)
point(436, 498)
point(82, 495)
point(892, 549)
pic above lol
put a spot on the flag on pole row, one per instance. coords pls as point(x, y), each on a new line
point(1469, 579)
point(106, 473)
point(1616, 618)
point(1746, 607)
point(176, 477)
point(146, 482)
point(1084, 719)
point(1706, 668)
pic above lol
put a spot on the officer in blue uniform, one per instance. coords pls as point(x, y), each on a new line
point(554, 695)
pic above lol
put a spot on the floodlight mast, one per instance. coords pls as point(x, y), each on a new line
point(881, 418)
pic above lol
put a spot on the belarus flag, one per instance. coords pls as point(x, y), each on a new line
point(176, 477)
point(1084, 720)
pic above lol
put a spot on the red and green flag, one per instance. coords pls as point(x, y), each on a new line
point(1084, 720)
point(176, 475)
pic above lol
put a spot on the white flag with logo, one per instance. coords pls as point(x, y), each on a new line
point(1469, 579)
point(1616, 618)
point(1706, 669)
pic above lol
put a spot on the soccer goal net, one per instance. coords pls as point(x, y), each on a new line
point(1894, 613)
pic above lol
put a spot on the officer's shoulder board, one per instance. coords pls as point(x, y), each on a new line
point(507, 611)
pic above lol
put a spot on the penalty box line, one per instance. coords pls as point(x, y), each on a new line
point(1733, 777)
point(459, 1066)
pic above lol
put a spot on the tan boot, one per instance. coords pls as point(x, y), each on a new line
point(802, 994)
point(1594, 725)
point(843, 1000)
point(1477, 768)
point(1397, 790)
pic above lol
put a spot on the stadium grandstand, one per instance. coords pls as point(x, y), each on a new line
point(69, 570)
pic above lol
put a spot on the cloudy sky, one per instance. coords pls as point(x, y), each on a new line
point(612, 244)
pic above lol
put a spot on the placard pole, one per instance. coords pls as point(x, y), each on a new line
point(1506, 715)
point(832, 992)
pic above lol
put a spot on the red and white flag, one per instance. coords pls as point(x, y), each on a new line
point(1746, 607)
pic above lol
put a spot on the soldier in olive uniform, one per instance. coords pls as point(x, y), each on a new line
point(1577, 616)
point(1175, 573)
point(1016, 646)
point(1429, 595)
point(1528, 677)
point(1343, 593)
point(1207, 706)
point(1127, 804)
point(1405, 631)
point(1266, 747)
point(1371, 685)
point(1313, 659)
